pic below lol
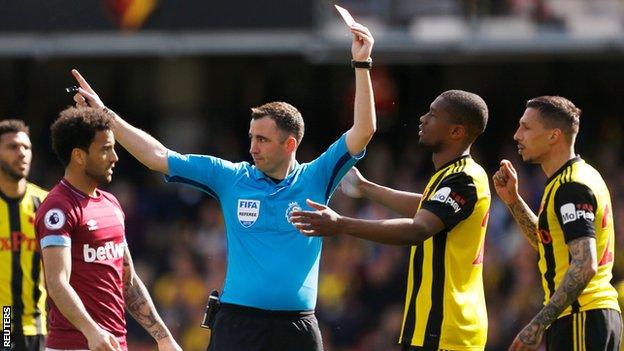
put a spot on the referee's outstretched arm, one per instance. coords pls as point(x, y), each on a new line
point(364, 117)
point(140, 144)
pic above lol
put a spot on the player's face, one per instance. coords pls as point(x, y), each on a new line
point(15, 155)
point(435, 126)
point(532, 137)
point(101, 157)
point(267, 145)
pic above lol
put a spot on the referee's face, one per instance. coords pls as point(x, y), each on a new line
point(15, 155)
point(267, 148)
point(533, 137)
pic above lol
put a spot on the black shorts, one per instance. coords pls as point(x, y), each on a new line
point(239, 328)
point(590, 330)
point(27, 343)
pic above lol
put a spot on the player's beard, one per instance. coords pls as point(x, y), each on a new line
point(431, 147)
point(5, 167)
point(98, 177)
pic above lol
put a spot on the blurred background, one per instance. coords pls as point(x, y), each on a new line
point(189, 71)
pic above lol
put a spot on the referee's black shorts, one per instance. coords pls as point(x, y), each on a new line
point(240, 328)
point(591, 330)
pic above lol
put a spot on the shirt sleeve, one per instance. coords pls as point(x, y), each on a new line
point(206, 173)
point(334, 163)
point(575, 207)
point(454, 200)
point(55, 222)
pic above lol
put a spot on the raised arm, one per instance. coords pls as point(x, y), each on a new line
point(364, 118)
point(57, 263)
point(139, 304)
point(403, 202)
point(400, 231)
point(145, 148)
point(506, 185)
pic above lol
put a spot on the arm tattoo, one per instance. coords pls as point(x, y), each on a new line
point(526, 219)
point(138, 302)
point(578, 275)
point(530, 335)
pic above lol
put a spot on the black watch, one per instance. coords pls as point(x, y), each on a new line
point(368, 64)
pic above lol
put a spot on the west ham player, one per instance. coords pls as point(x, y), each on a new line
point(88, 268)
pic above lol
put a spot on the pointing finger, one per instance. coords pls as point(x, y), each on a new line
point(83, 82)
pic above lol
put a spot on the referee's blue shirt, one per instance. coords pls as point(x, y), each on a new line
point(270, 264)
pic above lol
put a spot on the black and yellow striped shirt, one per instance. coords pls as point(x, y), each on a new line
point(576, 203)
point(21, 279)
point(445, 303)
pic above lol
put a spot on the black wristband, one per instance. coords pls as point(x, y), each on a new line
point(368, 64)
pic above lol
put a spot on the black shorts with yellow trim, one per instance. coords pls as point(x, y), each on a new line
point(599, 329)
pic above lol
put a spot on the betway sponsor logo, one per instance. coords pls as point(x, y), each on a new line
point(108, 251)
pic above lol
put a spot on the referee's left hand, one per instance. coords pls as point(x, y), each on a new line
point(362, 42)
point(322, 222)
point(529, 338)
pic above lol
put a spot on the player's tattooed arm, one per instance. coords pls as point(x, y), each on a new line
point(526, 219)
point(139, 303)
point(583, 266)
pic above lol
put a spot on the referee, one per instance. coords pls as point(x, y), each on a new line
point(445, 304)
point(572, 233)
point(21, 279)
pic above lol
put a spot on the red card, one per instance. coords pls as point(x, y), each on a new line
point(346, 16)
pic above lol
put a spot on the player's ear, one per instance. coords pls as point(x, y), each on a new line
point(555, 135)
point(458, 131)
point(79, 156)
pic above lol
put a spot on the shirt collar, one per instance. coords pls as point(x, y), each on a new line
point(258, 174)
point(568, 163)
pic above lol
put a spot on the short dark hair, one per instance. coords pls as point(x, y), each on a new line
point(13, 126)
point(76, 128)
point(467, 109)
point(286, 117)
point(557, 112)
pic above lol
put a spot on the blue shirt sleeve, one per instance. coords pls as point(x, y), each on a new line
point(334, 163)
point(206, 173)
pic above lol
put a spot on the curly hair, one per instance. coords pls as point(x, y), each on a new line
point(286, 117)
point(76, 128)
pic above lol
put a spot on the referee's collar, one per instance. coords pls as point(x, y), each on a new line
point(258, 174)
